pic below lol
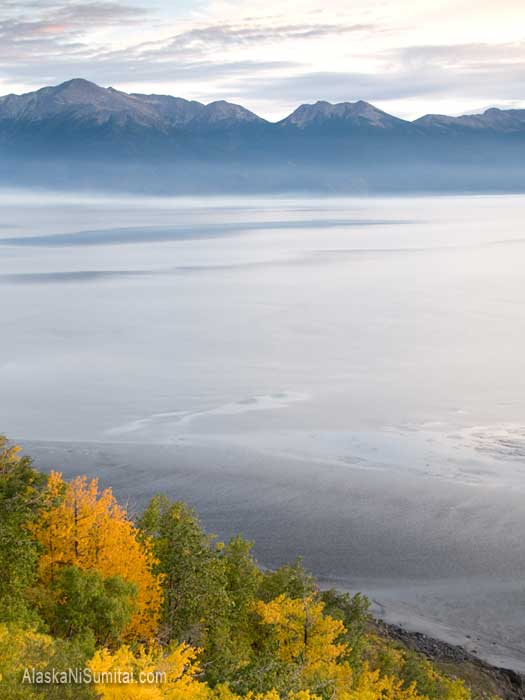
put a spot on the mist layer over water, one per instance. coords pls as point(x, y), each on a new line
point(336, 378)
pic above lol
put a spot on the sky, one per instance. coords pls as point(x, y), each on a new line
point(408, 57)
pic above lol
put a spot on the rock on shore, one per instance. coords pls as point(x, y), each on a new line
point(485, 680)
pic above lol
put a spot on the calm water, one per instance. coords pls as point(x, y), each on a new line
point(339, 378)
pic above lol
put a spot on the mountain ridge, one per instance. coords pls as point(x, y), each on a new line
point(101, 103)
point(153, 109)
point(493, 118)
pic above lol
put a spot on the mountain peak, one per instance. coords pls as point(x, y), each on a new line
point(358, 113)
point(77, 91)
point(77, 100)
point(222, 111)
point(77, 83)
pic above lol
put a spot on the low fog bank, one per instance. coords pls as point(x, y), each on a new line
point(193, 178)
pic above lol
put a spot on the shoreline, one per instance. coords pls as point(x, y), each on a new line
point(473, 643)
point(455, 643)
point(508, 682)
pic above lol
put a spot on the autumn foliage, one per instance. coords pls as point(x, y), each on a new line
point(90, 530)
point(176, 668)
point(184, 616)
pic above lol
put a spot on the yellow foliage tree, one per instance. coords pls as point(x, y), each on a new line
point(224, 692)
point(306, 636)
point(309, 638)
point(89, 529)
point(371, 685)
point(303, 632)
point(148, 675)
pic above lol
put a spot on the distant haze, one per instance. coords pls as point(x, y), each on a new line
point(78, 134)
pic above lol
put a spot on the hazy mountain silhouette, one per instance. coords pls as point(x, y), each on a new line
point(80, 134)
point(342, 115)
point(494, 120)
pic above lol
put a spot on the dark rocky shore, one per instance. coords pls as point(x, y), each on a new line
point(485, 680)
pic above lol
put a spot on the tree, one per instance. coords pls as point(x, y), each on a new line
point(304, 634)
point(21, 500)
point(372, 685)
point(89, 530)
point(21, 649)
point(224, 692)
point(310, 640)
point(157, 674)
point(291, 580)
point(414, 671)
point(353, 613)
point(228, 644)
point(24, 651)
point(243, 576)
point(308, 644)
point(193, 577)
point(87, 603)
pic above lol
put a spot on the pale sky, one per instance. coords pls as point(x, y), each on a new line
point(408, 57)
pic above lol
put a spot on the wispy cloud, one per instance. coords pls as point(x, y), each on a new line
point(216, 36)
point(31, 32)
point(278, 56)
point(55, 46)
point(480, 72)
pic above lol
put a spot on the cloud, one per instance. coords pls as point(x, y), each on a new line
point(33, 32)
point(54, 47)
point(75, 10)
point(470, 70)
point(218, 36)
point(274, 59)
point(116, 72)
point(200, 52)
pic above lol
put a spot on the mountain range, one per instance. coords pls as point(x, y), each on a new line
point(79, 133)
